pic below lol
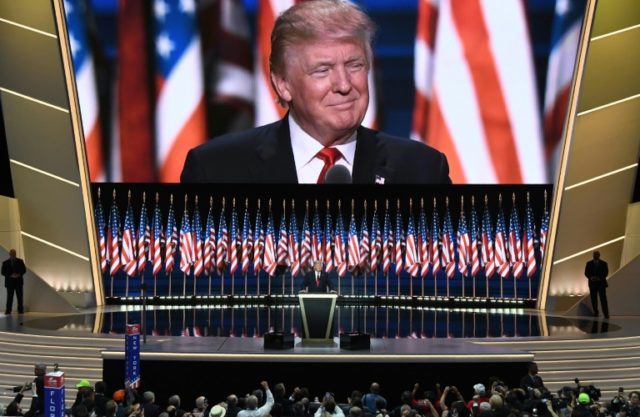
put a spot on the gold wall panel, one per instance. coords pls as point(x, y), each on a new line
point(604, 141)
point(37, 14)
point(611, 71)
point(613, 15)
point(31, 65)
point(48, 208)
point(46, 147)
point(600, 154)
point(42, 132)
point(569, 275)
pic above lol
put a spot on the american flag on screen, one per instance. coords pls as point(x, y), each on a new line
point(270, 259)
point(171, 243)
point(473, 241)
point(500, 245)
point(529, 248)
point(267, 109)
point(340, 250)
point(565, 37)
point(102, 238)
point(353, 245)
point(180, 111)
point(515, 244)
point(128, 243)
point(411, 249)
point(227, 53)
point(132, 141)
point(476, 90)
point(186, 243)
point(84, 70)
point(198, 242)
point(156, 240)
point(113, 234)
point(448, 245)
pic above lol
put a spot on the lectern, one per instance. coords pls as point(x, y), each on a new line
point(317, 317)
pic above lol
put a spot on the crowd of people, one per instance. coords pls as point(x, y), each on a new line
point(491, 398)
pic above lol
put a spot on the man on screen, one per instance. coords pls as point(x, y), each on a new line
point(320, 58)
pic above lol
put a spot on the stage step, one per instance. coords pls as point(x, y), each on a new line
point(79, 357)
point(606, 363)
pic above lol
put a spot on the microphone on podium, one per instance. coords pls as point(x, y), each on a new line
point(338, 174)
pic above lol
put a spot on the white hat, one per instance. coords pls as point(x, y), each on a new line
point(217, 411)
point(479, 389)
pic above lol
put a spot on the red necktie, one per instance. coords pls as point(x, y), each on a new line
point(329, 156)
point(317, 280)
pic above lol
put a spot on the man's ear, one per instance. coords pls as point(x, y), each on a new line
point(281, 85)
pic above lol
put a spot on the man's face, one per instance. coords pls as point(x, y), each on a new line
point(325, 84)
point(12, 253)
point(317, 266)
point(596, 255)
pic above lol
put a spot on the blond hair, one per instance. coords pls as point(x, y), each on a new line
point(313, 20)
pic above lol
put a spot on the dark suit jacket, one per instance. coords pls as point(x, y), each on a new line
point(601, 271)
point(7, 270)
point(265, 155)
point(310, 285)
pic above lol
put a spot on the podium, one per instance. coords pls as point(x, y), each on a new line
point(317, 317)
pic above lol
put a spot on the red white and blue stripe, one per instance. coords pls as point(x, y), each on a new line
point(180, 111)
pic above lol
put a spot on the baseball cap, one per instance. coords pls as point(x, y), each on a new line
point(83, 384)
point(583, 398)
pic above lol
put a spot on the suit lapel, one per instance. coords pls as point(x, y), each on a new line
point(369, 164)
point(275, 163)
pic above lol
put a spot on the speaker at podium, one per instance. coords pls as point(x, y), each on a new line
point(317, 312)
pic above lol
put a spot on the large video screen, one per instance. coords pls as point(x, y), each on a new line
point(483, 84)
point(446, 181)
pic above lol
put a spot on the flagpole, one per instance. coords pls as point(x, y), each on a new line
point(126, 293)
point(111, 285)
point(529, 287)
point(487, 282)
point(515, 288)
point(194, 284)
point(375, 283)
point(474, 285)
point(155, 285)
point(246, 279)
point(184, 284)
point(209, 275)
point(170, 275)
point(501, 286)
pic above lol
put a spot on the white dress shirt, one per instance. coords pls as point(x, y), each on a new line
point(305, 148)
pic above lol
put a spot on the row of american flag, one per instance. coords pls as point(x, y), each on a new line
point(409, 241)
point(475, 86)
